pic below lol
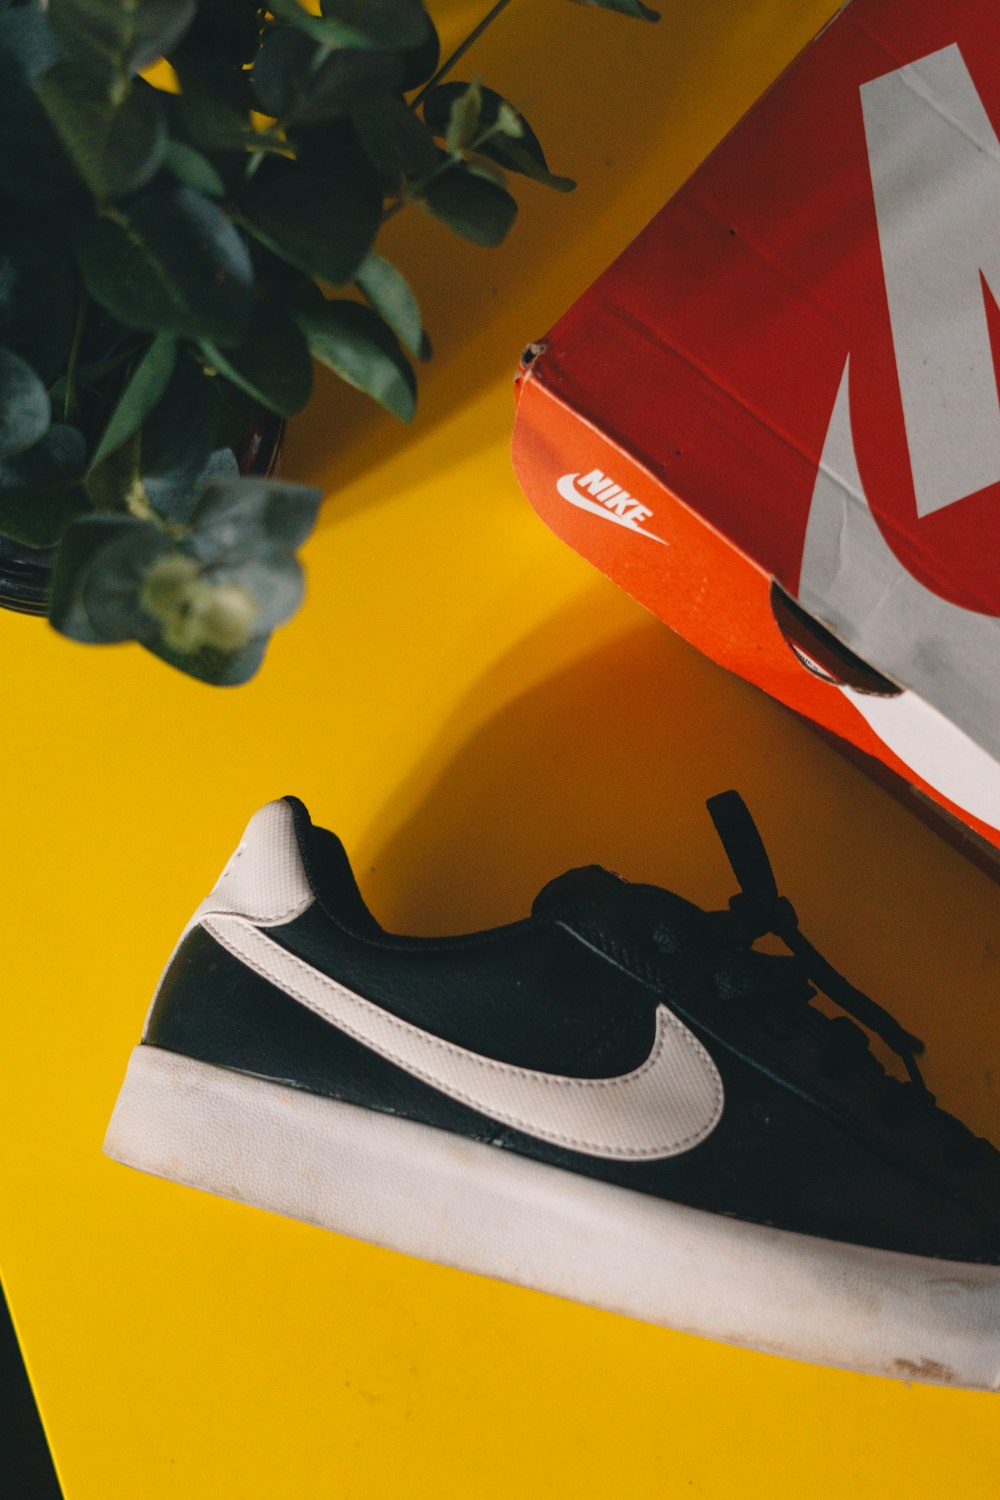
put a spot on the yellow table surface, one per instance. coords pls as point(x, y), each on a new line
point(473, 708)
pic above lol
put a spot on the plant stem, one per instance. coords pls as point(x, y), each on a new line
point(451, 160)
point(459, 52)
point(69, 400)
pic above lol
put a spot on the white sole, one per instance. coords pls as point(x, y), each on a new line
point(439, 1196)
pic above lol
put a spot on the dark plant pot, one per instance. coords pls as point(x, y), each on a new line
point(26, 572)
point(24, 577)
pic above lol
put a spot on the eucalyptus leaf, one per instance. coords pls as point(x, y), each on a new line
point(171, 260)
point(421, 63)
point(34, 168)
point(355, 344)
point(238, 519)
point(517, 152)
point(116, 148)
point(28, 47)
point(322, 224)
point(214, 108)
point(219, 668)
point(398, 25)
point(145, 386)
point(114, 578)
point(119, 579)
point(179, 440)
point(625, 7)
point(396, 140)
point(24, 405)
point(116, 38)
point(39, 489)
point(234, 411)
point(193, 170)
point(297, 79)
point(80, 545)
point(463, 116)
point(39, 292)
point(389, 24)
point(276, 582)
point(113, 484)
point(272, 364)
point(391, 296)
point(477, 209)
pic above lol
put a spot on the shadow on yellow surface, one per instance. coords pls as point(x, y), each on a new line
point(472, 709)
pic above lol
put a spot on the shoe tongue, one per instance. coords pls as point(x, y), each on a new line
point(587, 883)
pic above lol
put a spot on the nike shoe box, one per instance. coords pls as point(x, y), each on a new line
point(775, 419)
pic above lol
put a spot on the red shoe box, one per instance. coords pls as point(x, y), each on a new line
point(775, 419)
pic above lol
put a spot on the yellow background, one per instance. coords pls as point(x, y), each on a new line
point(473, 709)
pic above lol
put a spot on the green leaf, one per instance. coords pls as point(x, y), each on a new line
point(624, 7)
point(39, 493)
point(396, 25)
point(171, 260)
point(116, 148)
point(390, 295)
point(355, 344)
point(144, 389)
point(226, 31)
point(205, 603)
point(113, 484)
point(80, 545)
point(77, 550)
point(39, 292)
point(397, 142)
point(193, 170)
point(509, 122)
point(517, 152)
point(24, 405)
point(463, 117)
point(299, 80)
point(272, 364)
point(322, 224)
point(114, 578)
point(115, 38)
point(421, 63)
point(478, 210)
point(27, 46)
point(179, 439)
point(393, 25)
point(242, 518)
point(214, 108)
point(33, 166)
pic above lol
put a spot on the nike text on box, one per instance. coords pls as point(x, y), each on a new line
point(775, 419)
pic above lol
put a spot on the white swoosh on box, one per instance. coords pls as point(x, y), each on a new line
point(854, 583)
point(568, 490)
point(667, 1105)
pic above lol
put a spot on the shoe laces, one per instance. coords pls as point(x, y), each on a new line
point(758, 910)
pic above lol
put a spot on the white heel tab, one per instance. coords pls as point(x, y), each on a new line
point(264, 879)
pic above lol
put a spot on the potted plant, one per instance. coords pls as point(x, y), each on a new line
point(190, 196)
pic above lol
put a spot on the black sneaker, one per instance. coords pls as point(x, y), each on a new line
point(617, 1100)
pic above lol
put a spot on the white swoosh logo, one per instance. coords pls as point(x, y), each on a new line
point(854, 583)
point(568, 490)
point(667, 1105)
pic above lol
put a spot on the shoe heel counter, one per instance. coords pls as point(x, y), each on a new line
point(264, 880)
point(265, 877)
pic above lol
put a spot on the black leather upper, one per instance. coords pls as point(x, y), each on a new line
point(573, 991)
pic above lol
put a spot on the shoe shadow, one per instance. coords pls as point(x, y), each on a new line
point(609, 759)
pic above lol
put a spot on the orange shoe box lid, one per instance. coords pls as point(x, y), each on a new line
point(775, 419)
